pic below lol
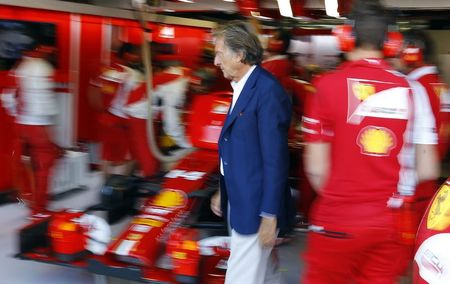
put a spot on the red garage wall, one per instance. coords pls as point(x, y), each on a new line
point(89, 66)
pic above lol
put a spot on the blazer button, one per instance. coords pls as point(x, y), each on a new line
point(226, 139)
point(225, 163)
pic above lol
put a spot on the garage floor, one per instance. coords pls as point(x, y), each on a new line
point(13, 216)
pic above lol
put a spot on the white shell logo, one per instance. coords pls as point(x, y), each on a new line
point(433, 259)
point(167, 32)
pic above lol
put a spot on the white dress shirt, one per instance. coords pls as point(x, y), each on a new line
point(237, 89)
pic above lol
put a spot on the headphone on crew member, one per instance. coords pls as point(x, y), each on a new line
point(417, 48)
point(392, 47)
point(279, 41)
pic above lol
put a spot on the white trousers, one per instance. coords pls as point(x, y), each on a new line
point(250, 263)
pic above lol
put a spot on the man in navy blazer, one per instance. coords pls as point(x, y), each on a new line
point(253, 152)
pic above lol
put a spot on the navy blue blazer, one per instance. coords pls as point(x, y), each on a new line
point(253, 147)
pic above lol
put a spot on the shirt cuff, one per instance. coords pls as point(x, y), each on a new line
point(267, 215)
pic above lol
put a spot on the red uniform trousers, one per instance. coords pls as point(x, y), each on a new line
point(424, 193)
point(140, 150)
point(366, 255)
point(114, 137)
point(34, 141)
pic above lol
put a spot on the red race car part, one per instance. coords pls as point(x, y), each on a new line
point(68, 239)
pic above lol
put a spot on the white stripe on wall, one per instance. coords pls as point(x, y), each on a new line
point(74, 69)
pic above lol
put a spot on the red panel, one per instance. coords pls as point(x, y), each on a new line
point(344, 7)
point(6, 149)
point(90, 64)
point(247, 6)
point(304, 32)
point(204, 129)
point(189, 42)
point(298, 7)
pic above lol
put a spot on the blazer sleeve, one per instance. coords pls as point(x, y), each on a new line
point(274, 115)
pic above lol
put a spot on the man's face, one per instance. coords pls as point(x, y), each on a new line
point(398, 64)
point(229, 62)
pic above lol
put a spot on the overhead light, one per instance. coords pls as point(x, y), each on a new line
point(186, 1)
point(229, 0)
point(264, 18)
point(331, 8)
point(285, 8)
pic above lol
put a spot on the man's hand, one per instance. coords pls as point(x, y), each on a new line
point(215, 204)
point(268, 231)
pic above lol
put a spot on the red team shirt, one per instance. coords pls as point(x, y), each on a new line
point(365, 112)
point(438, 95)
point(280, 67)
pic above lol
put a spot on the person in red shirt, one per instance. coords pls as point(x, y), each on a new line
point(108, 97)
point(415, 61)
point(170, 87)
point(277, 62)
point(137, 112)
point(31, 99)
point(361, 128)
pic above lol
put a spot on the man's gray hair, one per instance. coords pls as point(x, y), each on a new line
point(239, 37)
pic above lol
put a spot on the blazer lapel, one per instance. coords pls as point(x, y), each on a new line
point(243, 99)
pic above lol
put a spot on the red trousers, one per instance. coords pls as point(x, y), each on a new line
point(33, 172)
point(140, 150)
point(113, 137)
point(355, 255)
point(424, 194)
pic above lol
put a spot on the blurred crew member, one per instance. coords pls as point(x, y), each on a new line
point(170, 88)
point(205, 78)
point(109, 97)
point(31, 99)
point(277, 61)
point(361, 127)
point(416, 61)
point(137, 110)
point(253, 154)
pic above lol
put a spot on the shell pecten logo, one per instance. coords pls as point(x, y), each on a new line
point(170, 198)
point(377, 141)
point(108, 89)
point(440, 89)
point(362, 90)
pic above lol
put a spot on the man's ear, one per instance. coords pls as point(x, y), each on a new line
point(240, 56)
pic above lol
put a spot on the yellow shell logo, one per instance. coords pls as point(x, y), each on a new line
point(134, 237)
point(439, 89)
point(310, 88)
point(376, 141)
point(108, 89)
point(444, 130)
point(170, 198)
point(362, 91)
point(148, 222)
point(439, 215)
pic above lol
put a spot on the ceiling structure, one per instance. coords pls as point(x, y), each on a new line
point(310, 14)
point(231, 6)
point(431, 13)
